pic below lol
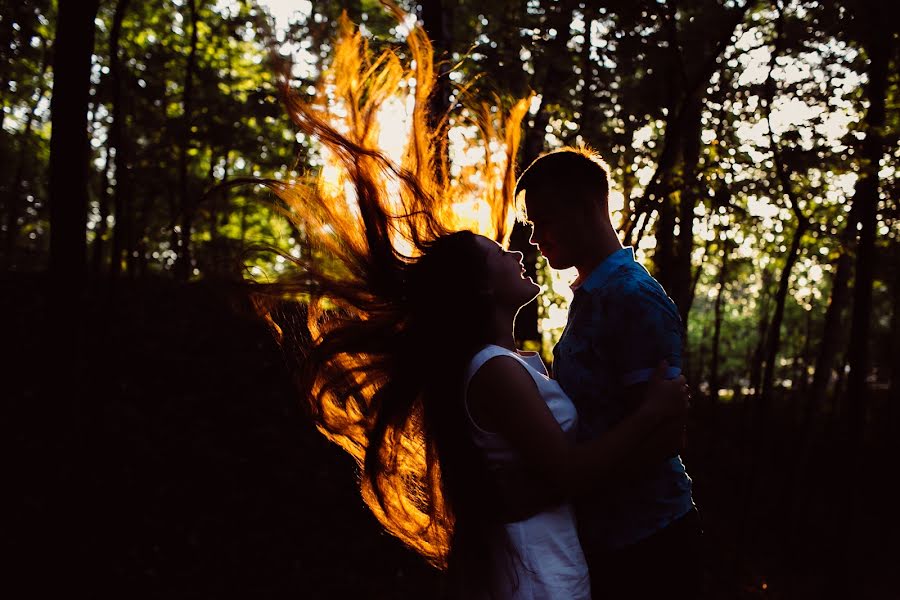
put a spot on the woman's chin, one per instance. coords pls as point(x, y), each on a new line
point(528, 290)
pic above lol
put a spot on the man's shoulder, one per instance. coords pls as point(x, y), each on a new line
point(628, 282)
point(630, 292)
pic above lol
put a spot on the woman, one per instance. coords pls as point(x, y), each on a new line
point(400, 328)
point(523, 425)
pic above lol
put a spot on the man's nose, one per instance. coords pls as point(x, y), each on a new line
point(534, 238)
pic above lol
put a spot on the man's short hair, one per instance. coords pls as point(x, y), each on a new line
point(577, 172)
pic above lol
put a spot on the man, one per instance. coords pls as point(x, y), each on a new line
point(641, 537)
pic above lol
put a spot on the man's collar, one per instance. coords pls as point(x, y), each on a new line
point(602, 271)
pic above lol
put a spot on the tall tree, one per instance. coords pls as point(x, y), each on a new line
point(833, 325)
point(122, 200)
point(673, 190)
point(69, 150)
point(875, 31)
point(876, 40)
point(773, 339)
point(721, 281)
point(185, 214)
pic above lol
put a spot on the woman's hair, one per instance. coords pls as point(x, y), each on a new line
point(385, 304)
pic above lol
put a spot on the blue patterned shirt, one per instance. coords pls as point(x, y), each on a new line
point(621, 324)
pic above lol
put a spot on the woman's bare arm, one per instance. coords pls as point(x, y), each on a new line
point(504, 391)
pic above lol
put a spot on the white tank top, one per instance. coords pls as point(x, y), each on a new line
point(551, 563)
point(496, 449)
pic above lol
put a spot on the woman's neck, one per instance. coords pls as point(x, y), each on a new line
point(501, 333)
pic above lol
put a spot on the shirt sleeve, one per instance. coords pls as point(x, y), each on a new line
point(647, 329)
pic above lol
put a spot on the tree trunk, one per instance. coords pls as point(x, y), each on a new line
point(69, 149)
point(680, 282)
point(660, 194)
point(183, 263)
point(756, 366)
point(672, 157)
point(772, 346)
point(664, 253)
point(70, 420)
point(832, 329)
point(122, 192)
point(866, 197)
point(114, 155)
point(832, 334)
point(803, 224)
point(695, 277)
point(877, 42)
point(714, 383)
point(137, 241)
point(773, 340)
point(805, 355)
point(675, 123)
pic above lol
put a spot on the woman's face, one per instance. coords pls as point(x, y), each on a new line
point(506, 275)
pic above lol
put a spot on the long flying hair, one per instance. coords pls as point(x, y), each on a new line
point(383, 308)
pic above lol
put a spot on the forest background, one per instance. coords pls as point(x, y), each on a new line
point(156, 446)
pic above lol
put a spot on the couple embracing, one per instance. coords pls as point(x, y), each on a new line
point(603, 430)
point(518, 483)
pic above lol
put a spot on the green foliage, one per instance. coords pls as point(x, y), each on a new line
point(614, 76)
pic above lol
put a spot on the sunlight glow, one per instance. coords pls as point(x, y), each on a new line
point(616, 201)
point(474, 167)
point(283, 11)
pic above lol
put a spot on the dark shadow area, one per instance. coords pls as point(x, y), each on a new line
point(169, 458)
point(155, 448)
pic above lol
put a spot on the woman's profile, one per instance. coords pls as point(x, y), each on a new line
point(399, 324)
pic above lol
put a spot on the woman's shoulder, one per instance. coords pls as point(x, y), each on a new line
point(489, 351)
point(495, 362)
point(495, 374)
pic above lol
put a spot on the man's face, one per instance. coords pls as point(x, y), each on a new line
point(555, 226)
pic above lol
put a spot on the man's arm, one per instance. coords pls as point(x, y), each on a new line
point(648, 329)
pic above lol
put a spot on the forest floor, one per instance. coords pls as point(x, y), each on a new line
point(156, 449)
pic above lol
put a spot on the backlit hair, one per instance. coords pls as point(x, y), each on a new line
point(380, 312)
